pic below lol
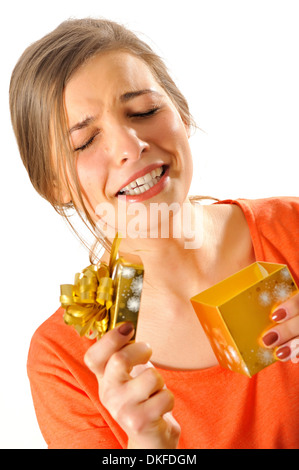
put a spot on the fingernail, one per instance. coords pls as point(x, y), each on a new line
point(279, 315)
point(126, 328)
point(283, 353)
point(270, 338)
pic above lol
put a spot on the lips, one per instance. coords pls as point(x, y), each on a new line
point(143, 180)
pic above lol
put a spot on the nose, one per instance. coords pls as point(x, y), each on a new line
point(124, 145)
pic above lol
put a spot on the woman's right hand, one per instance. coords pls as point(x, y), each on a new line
point(140, 404)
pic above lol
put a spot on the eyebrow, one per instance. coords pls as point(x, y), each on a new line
point(123, 98)
point(82, 124)
point(134, 94)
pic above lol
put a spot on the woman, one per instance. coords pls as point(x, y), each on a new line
point(94, 110)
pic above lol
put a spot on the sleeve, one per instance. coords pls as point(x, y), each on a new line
point(65, 397)
point(64, 418)
point(274, 227)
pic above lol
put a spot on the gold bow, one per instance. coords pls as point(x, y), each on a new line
point(88, 301)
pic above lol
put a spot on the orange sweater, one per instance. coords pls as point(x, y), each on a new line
point(216, 408)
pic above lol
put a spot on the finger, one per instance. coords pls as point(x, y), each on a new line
point(157, 405)
point(288, 351)
point(121, 363)
point(281, 333)
point(145, 385)
point(99, 353)
point(287, 310)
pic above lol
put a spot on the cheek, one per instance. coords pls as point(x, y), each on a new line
point(171, 134)
point(92, 177)
point(180, 148)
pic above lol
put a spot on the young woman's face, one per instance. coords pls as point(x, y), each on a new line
point(129, 140)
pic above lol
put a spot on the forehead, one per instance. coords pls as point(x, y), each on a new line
point(107, 76)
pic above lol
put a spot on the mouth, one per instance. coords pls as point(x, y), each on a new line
point(143, 183)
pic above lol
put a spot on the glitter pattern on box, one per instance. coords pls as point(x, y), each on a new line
point(128, 281)
point(236, 312)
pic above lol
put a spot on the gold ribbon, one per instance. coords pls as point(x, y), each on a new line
point(88, 301)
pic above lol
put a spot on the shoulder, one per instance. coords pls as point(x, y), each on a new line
point(273, 219)
point(56, 368)
point(54, 343)
point(270, 213)
point(272, 209)
point(274, 228)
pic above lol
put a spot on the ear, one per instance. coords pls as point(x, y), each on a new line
point(188, 129)
point(65, 198)
point(61, 193)
point(186, 125)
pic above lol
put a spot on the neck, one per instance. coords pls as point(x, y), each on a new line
point(181, 237)
point(162, 222)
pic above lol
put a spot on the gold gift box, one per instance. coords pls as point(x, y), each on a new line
point(104, 296)
point(236, 312)
point(127, 281)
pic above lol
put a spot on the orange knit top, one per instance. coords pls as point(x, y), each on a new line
point(216, 408)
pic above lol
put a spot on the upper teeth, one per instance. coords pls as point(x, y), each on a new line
point(142, 184)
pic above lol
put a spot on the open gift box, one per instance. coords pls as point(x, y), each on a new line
point(235, 313)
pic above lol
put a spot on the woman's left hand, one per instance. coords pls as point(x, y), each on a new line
point(284, 335)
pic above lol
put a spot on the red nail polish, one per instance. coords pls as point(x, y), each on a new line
point(126, 328)
point(279, 315)
point(283, 353)
point(270, 338)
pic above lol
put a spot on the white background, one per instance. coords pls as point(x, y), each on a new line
point(236, 61)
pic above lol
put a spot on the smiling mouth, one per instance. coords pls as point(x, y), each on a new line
point(144, 183)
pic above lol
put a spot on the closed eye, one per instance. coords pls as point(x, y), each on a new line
point(86, 144)
point(148, 113)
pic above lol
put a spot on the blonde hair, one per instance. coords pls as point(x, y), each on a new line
point(37, 106)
